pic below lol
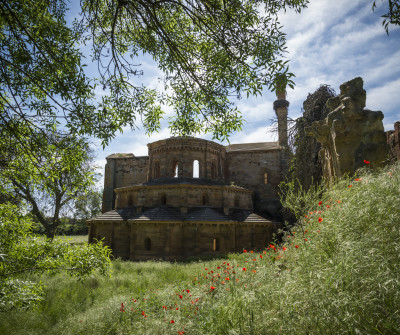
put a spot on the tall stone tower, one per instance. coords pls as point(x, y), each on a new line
point(281, 109)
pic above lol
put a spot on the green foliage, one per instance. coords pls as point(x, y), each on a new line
point(392, 16)
point(209, 52)
point(50, 176)
point(22, 254)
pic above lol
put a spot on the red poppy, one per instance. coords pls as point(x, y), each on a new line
point(357, 179)
point(296, 246)
point(244, 269)
point(251, 251)
point(305, 240)
point(180, 297)
point(261, 256)
point(172, 321)
point(327, 206)
point(350, 186)
point(320, 203)
point(284, 248)
point(212, 288)
point(366, 162)
point(227, 278)
point(320, 219)
point(244, 251)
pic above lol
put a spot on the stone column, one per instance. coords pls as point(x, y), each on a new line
point(281, 109)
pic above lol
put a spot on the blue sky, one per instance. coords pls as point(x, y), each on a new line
point(330, 42)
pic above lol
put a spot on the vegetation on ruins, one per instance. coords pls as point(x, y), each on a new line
point(337, 272)
point(305, 165)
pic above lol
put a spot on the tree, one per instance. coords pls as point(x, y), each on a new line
point(57, 171)
point(22, 254)
point(208, 51)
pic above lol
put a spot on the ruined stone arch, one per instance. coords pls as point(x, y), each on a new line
point(175, 169)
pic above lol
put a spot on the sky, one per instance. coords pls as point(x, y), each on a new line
point(329, 42)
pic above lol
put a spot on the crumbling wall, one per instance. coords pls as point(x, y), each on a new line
point(350, 134)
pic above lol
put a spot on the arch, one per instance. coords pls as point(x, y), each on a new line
point(216, 244)
point(156, 173)
point(130, 200)
point(196, 169)
point(147, 244)
point(213, 170)
point(205, 199)
point(175, 169)
point(163, 199)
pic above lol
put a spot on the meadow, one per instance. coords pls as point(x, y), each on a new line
point(335, 273)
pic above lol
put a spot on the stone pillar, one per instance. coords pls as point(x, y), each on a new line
point(109, 185)
point(281, 109)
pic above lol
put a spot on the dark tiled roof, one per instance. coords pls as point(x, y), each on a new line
point(168, 213)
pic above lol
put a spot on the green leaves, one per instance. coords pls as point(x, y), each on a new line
point(22, 253)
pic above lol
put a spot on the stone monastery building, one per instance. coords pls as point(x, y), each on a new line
point(192, 197)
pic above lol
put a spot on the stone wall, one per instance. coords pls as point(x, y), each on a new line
point(259, 171)
point(393, 141)
point(122, 170)
point(350, 134)
point(170, 241)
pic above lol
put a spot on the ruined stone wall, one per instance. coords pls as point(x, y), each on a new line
point(349, 134)
point(259, 171)
point(122, 170)
point(140, 241)
point(393, 141)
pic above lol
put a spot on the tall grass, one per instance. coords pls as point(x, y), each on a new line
point(336, 273)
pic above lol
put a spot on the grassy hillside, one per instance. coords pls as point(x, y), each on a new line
point(337, 273)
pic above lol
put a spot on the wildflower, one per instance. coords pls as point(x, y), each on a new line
point(187, 291)
point(254, 271)
point(366, 162)
point(305, 240)
point(122, 309)
point(357, 179)
point(327, 206)
point(338, 201)
point(296, 246)
point(245, 251)
point(180, 296)
point(244, 269)
point(320, 203)
point(306, 216)
point(350, 186)
point(284, 248)
point(251, 251)
point(320, 219)
point(318, 231)
point(172, 321)
point(261, 256)
point(212, 288)
point(227, 278)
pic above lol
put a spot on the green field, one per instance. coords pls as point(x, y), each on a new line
point(338, 273)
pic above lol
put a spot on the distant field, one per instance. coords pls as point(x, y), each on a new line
point(73, 239)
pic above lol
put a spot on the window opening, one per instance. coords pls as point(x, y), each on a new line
point(216, 244)
point(213, 171)
point(205, 199)
point(196, 169)
point(265, 178)
point(163, 199)
point(130, 200)
point(236, 201)
point(157, 170)
point(147, 244)
point(176, 170)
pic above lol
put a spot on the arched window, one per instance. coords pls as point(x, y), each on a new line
point(147, 244)
point(265, 178)
point(175, 169)
point(213, 170)
point(156, 170)
point(237, 202)
point(205, 200)
point(163, 199)
point(216, 244)
point(130, 200)
point(196, 169)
